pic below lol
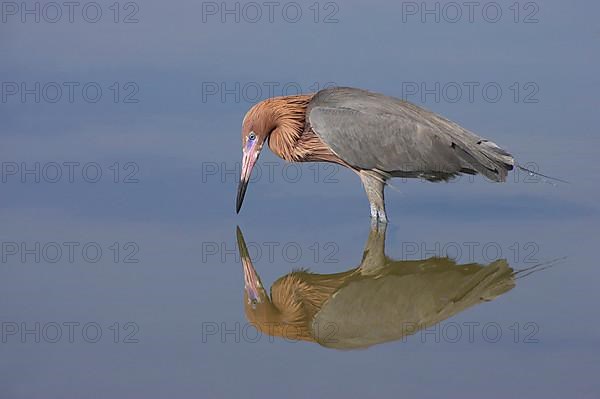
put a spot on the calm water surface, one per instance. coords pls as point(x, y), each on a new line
point(122, 272)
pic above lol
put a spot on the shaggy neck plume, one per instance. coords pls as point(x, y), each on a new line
point(283, 119)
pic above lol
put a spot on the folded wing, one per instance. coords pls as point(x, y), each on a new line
point(377, 132)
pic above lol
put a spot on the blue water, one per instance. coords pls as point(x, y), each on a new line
point(120, 274)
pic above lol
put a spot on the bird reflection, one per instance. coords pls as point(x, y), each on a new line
point(379, 301)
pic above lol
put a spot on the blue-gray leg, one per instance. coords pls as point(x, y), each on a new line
point(374, 260)
point(374, 185)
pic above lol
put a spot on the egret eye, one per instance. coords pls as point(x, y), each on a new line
point(251, 136)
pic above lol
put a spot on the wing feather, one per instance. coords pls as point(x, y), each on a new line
point(373, 131)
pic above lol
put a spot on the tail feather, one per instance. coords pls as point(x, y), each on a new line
point(505, 162)
point(483, 156)
point(545, 178)
point(486, 158)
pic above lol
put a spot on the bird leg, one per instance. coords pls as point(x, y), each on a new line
point(374, 186)
point(374, 254)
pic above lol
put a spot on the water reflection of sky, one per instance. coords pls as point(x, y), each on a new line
point(182, 206)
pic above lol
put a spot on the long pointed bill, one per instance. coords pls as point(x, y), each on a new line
point(252, 283)
point(251, 153)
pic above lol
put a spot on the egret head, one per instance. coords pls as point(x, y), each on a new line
point(257, 302)
point(281, 121)
point(256, 128)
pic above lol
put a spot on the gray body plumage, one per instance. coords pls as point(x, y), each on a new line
point(389, 299)
point(407, 296)
point(391, 137)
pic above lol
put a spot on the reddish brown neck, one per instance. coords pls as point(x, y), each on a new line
point(285, 119)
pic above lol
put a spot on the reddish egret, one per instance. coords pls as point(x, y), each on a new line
point(377, 136)
point(381, 300)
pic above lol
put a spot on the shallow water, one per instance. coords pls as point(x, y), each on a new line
point(121, 274)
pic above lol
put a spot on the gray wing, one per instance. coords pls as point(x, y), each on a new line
point(370, 310)
point(373, 131)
